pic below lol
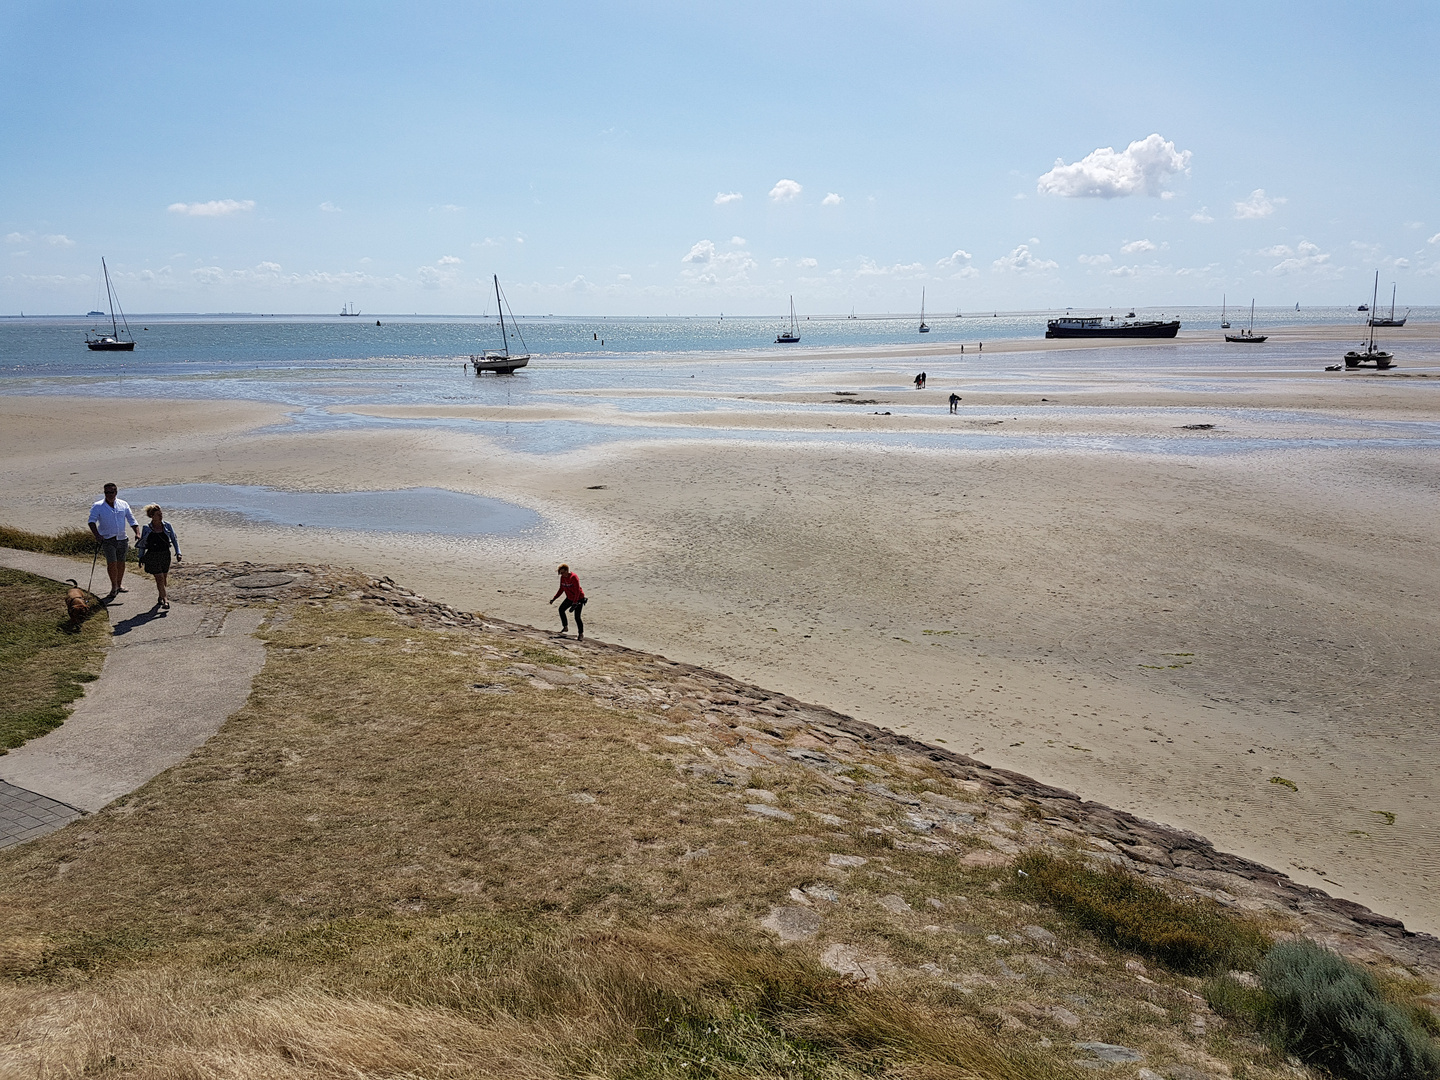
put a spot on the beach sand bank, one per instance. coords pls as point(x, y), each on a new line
point(1164, 632)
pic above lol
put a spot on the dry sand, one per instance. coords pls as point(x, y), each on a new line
point(1164, 633)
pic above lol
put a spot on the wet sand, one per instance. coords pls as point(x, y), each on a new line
point(1163, 631)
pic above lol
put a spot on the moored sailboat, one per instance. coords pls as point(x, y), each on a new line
point(1391, 321)
point(923, 328)
point(502, 361)
point(792, 335)
point(1379, 358)
point(111, 342)
point(1247, 337)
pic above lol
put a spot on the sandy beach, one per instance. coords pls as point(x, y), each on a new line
point(1169, 628)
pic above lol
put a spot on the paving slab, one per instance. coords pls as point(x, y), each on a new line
point(169, 680)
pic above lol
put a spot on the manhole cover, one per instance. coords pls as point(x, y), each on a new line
point(261, 581)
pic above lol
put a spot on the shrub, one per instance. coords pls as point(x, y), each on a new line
point(1329, 1012)
point(1192, 936)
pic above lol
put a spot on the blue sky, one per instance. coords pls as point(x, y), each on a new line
point(692, 158)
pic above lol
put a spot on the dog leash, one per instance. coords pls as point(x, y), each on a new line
point(90, 588)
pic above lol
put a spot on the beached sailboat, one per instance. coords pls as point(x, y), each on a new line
point(923, 328)
point(1247, 337)
point(1379, 358)
point(1224, 322)
point(1391, 321)
point(111, 342)
point(792, 335)
point(502, 361)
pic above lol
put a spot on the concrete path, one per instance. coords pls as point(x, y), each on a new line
point(169, 682)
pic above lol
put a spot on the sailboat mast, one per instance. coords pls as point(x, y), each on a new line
point(504, 338)
point(1374, 296)
point(1392, 301)
point(1252, 317)
point(110, 297)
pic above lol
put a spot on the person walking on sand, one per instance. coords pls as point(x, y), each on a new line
point(954, 403)
point(574, 600)
point(108, 519)
point(153, 551)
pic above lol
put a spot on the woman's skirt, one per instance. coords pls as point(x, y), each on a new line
point(156, 560)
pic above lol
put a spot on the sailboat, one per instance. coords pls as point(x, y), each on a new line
point(1224, 322)
point(1391, 321)
point(111, 342)
point(1247, 337)
point(923, 328)
point(503, 361)
point(349, 311)
point(791, 336)
point(1371, 355)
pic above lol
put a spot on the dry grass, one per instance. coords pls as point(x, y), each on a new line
point(377, 870)
point(46, 666)
point(76, 542)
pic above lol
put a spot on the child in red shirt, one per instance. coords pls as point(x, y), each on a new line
point(574, 600)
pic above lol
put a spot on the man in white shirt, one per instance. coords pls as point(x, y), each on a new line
point(108, 519)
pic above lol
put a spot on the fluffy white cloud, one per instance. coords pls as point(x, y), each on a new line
point(1433, 240)
point(785, 191)
point(1124, 271)
point(832, 199)
point(723, 197)
point(1202, 216)
point(869, 268)
point(448, 260)
point(808, 264)
point(208, 275)
point(704, 264)
point(268, 267)
point(958, 257)
point(737, 241)
point(1257, 206)
point(1306, 256)
point(1093, 260)
point(213, 208)
point(1022, 261)
point(329, 207)
point(20, 238)
point(1136, 246)
point(702, 251)
point(1276, 251)
point(1140, 169)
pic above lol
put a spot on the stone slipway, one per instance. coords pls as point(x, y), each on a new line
point(167, 684)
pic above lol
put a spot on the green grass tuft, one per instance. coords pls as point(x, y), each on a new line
point(1193, 936)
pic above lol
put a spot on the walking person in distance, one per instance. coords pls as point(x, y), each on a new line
point(153, 551)
point(108, 520)
point(574, 600)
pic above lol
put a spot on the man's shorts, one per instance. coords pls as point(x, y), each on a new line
point(115, 548)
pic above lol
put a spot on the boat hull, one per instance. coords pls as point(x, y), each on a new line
point(1060, 329)
point(1370, 358)
point(788, 339)
point(109, 345)
point(503, 365)
point(1246, 339)
point(1387, 322)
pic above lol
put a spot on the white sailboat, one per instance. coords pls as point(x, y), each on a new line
point(502, 361)
point(792, 335)
point(1247, 337)
point(923, 328)
point(111, 342)
point(1224, 322)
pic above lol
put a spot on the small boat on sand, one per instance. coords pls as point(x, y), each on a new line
point(1247, 337)
point(792, 335)
point(1380, 320)
point(502, 361)
point(111, 342)
point(1371, 357)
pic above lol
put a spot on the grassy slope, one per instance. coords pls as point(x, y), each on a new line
point(45, 665)
point(377, 869)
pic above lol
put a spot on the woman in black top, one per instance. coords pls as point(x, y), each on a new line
point(153, 551)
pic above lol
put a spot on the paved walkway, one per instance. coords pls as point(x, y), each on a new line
point(169, 682)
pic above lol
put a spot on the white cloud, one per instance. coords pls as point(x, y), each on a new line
point(832, 199)
point(1140, 169)
point(724, 197)
point(1124, 271)
point(1402, 264)
point(451, 208)
point(1168, 195)
point(1433, 240)
point(1137, 246)
point(702, 251)
point(268, 267)
point(1277, 251)
point(737, 241)
point(1022, 261)
point(208, 275)
point(808, 264)
point(1257, 206)
point(1202, 216)
point(1094, 260)
point(958, 257)
point(705, 265)
point(59, 240)
point(329, 207)
point(623, 277)
point(448, 260)
point(1307, 256)
point(20, 238)
point(868, 268)
point(213, 208)
point(785, 191)
point(579, 284)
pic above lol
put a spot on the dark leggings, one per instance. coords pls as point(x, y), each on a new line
point(572, 606)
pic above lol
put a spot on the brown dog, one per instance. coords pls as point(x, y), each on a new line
point(76, 604)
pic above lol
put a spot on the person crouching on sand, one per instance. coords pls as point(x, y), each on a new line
point(153, 551)
point(574, 600)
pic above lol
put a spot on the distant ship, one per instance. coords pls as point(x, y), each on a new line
point(95, 314)
point(1096, 326)
point(111, 342)
point(350, 311)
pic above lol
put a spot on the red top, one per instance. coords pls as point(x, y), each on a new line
point(570, 586)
